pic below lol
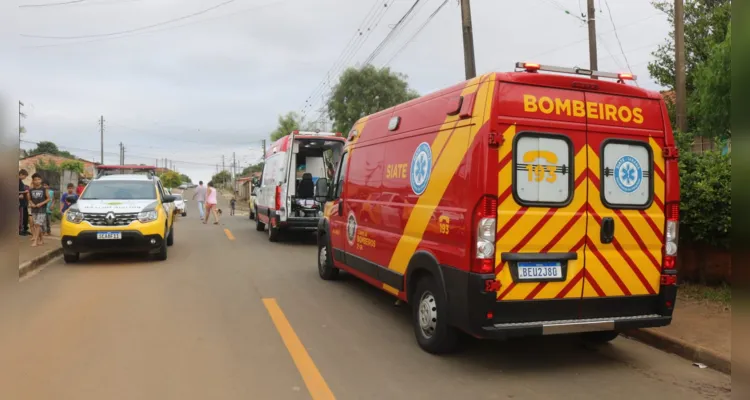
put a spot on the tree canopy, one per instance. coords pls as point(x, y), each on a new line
point(365, 91)
point(252, 168)
point(292, 121)
point(170, 179)
point(710, 102)
point(49, 148)
point(185, 179)
point(221, 178)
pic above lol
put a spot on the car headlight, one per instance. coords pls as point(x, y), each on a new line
point(74, 216)
point(147, 216)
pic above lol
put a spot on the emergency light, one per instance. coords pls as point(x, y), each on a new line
point(535, 67)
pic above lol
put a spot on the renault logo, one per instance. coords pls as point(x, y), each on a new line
point(110, 218)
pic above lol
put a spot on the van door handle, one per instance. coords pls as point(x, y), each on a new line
point(341, 208)
point(607, 234)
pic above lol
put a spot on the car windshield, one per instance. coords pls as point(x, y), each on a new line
point(119, 190)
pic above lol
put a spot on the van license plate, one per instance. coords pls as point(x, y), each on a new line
point(109, 236)
point(531, 271)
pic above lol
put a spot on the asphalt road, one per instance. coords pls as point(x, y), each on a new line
point(231, 316)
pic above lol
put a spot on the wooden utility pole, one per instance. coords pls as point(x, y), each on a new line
point(469, 62)
point(101, 132)
point(591, 17)
point(264, 150)
point(679, 61)
point(122, 155)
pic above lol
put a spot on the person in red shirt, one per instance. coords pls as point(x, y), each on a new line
point(80, 188)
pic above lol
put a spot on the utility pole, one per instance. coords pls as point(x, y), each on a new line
point(679, 60)
point(591, 17)
point(469, 62)
point(101, 131)
point(20, 127)
point(264, 150)
point(223, 168)
point(234, 171)
point(122, 162)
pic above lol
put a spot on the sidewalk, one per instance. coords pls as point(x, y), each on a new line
point(700, 331)
point(30, 258)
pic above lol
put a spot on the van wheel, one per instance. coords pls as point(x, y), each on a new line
point(325, 265)
point(71, 258)
point(170, 238)
point(429, 316)
point(162, 254)
point(259, 226)
point(600, 337)
point(273, 234)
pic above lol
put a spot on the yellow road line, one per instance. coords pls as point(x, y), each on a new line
point(229, 234)
point(315, 383)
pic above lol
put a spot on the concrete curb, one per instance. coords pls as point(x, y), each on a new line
point(30, 266)
point(682, 348)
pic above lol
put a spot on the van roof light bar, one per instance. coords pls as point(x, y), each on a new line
point(534, 67)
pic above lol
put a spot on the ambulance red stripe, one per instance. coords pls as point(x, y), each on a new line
point(653, 226)
point(632, 266)
point(638, 239)
point(573, 282)
point(608, 268)
point(590, 280)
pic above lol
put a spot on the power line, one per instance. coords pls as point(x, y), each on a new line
point(134, 29)
point(390, 35)
point(611, 19)
point(62, 3)
point(411, 39)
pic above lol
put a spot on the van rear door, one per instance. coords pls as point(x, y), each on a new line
point(626, 192)
point(542, 196)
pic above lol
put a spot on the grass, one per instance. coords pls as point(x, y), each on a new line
point(721, 295)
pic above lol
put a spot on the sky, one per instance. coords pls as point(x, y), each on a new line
point(213, 84)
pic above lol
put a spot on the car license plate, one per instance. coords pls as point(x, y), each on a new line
point(532, 271)
point(109, 236)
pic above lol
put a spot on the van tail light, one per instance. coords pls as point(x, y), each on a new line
point(277, 198)
point(671, 236)
point(485, 222)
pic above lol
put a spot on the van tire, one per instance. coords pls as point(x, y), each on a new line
point(259, 226)
point(430, 318)
point(162, 254)
point(274, 234)
point(71, 258)
point(601, 337)
point(326, 270)
point(252, 214)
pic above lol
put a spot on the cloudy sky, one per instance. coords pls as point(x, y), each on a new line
point(214, 83)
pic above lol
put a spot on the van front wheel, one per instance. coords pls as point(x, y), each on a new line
point(325, 265)
point(429, 317)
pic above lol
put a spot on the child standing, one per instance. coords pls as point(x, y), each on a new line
point(38, 199)
point(232, 204)
point(48, 209)
point(68, 198)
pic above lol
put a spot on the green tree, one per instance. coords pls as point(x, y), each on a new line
point(252, 168)
point(185, 179)
point(292, 121)
point(710, 102)
point(365, 91)
point(47, 147)
point(221, 178)
point(170, 179)
point(72, 165)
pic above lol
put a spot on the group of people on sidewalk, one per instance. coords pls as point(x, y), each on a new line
point(207, 202)
point(35, 205)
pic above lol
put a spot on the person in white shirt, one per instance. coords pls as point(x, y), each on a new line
point(200, 197)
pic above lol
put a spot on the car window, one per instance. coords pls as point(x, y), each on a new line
point(119, 190)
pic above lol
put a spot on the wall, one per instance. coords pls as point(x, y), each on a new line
point(704, 264)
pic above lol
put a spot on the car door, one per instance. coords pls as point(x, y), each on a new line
point(342, 227)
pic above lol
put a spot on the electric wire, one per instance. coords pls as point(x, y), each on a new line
point(419, 30)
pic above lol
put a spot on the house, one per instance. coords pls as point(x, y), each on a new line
point(29, 164)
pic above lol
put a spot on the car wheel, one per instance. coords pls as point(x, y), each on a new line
point(600, 337)
point(71, 258)
point(184, 214)
point(429, 317)
point(162, 254)
point(259, 226)
point(273, 234)
point(170, 238)
point(325, 265)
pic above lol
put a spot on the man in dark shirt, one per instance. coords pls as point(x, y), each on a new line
point(23, 205)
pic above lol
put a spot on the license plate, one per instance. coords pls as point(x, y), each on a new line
point(109, 236)
point(531, 271)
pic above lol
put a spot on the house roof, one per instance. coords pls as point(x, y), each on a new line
point(58, 156)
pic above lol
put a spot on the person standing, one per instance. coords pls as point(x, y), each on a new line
point(80, 188)
point(200, 197)
point(38, 199)
point(68, 198)
point(211, 201)
point(48, 208)
point(232, 205)
point(23, 204)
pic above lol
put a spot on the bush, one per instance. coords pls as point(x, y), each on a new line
point(705, 190)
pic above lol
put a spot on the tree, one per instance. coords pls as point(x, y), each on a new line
point(710, 102)
point(292, 121)
point(221, 178)
point(185, 179)
point(170, 179)
point(706, 26)
point(365, 91)
point(252, 168)
point(49, 148)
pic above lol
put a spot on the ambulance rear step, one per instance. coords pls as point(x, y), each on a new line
point(585, 325)
point(534, 67)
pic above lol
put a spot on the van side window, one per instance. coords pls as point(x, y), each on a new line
point(341, 175)
point(543, 173)
point(626, 168)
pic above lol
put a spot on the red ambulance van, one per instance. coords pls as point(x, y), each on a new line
point(536, 202)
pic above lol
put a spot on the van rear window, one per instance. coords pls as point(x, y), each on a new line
point(542, 169)
point(626, 168)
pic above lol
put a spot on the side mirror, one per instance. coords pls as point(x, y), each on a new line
point(322, 190)
point(168, 199)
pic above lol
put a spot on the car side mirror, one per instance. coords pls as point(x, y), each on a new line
point(168, 199)
point(321, 190)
